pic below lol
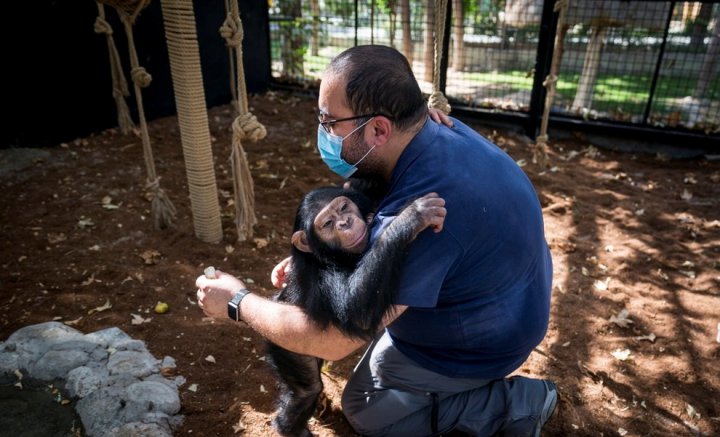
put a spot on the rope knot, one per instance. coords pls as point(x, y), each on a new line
point(247, 126)
point(232, 31)
point(438, 100)
point(141, 77)
point(102, 26)
point(152, 185)
point(551, 79)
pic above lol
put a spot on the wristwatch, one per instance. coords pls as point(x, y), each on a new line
point(234, 304)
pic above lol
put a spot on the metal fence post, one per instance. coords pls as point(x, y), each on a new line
point(445, 48)
point(546, 40)
point(656, 74)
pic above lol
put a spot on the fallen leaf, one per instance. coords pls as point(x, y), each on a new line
point(56, 238)
point(103, 307)
point(686, 195)
point(151, 257)
point(622, 432)
point(193, 388)
point(692, 412)
point(262, 389)
point(85, 223)
point(139, 320)
point(621, 319)
point(88, 281)
point(229, 249)
point(73, 322)
point(260, 242)
point(602, 285)
point(238, 427)
point(521, 162)
point(18, 374)
point(210, 359)
point(621, 354)
point(650, 337)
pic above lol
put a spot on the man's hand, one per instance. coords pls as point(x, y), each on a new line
point(279, 274)
point(214, 294)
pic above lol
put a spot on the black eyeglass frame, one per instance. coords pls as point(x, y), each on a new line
point(327, 123)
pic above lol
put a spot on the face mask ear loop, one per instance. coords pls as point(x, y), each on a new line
point(356, 129)
point(368, 152)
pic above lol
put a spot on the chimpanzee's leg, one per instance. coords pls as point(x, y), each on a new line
point(300, 387)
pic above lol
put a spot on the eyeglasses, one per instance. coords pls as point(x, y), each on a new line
point(326, 124)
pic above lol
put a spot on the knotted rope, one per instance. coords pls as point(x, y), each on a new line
point(245, 125)
point(540, 155)
point(163, 211)
point(437, 98)
point(184, 53)
point(119, 84)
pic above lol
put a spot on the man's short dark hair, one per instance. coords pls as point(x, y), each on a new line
point(379, 80)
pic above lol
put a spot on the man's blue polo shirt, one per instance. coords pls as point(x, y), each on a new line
point(479, 291)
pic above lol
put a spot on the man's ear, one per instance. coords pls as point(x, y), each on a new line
point(381, 130)
point(299, 240)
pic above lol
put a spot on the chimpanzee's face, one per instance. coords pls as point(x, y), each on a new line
point(340, 225)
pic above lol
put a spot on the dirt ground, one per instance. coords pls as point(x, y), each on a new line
point(635, 240)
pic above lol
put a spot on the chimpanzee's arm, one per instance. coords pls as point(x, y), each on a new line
point(362, 299)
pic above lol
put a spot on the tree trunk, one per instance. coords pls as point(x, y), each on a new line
point(586, 85)
point(292, 39)
point(392, 14)
point(700, 25)
point(708, 71)
point(458, 63)
point(406, 30)
point(429, 40)
point(315, 44)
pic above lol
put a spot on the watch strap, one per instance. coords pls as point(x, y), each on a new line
point(234, 304)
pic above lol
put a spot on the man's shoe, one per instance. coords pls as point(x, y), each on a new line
point(551, 399)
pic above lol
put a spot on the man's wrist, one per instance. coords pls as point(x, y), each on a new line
point(234, 312)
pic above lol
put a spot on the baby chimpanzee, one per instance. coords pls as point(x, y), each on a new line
point(338, 283)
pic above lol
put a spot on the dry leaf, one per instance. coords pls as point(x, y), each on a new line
point(621, 319)
point(56, 238)
point(193, 388)
point(260, 242)
point(139, 320)
point(621, 354)
point(650, 337)
point(692, 412)
point(85, 223)
point(686, 195)
point(103, 307)
point(262, 389)
point(73, 322)
point(89, 280)
point(18, 374)
point(622, 431)
point(602, 285)
point(239, 427)
point(229, 249)
point(151, 257)
point(210, 359)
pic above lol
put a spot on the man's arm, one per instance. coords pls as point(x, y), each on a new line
point(285, 325)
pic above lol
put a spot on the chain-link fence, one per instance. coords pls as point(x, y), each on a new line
point(649, 64)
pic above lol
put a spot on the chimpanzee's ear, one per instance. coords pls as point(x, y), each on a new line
point(299, 240)
point(369, 218)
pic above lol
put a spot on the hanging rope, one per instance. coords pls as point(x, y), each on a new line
point(437, 98)
point(119, 84)
point(540, 155)
point(184, 53)
point(163, 211)
point(245, 125)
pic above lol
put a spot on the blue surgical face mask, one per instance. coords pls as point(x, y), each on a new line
point(330, 147)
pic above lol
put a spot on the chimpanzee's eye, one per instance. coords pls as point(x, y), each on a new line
point(343, 207)
point(327, 224)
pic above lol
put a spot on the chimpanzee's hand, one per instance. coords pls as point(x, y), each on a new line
point(279, 274)
point(430, 212)
point(440, 117)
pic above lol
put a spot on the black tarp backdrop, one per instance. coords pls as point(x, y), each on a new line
point(57, 75)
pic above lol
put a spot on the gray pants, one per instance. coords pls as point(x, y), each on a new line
point(388, 394)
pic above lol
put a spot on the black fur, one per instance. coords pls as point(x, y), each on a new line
point(351, 292)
